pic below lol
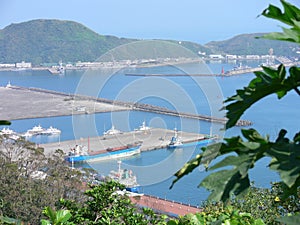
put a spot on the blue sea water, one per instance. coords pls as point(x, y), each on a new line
point(155, 168)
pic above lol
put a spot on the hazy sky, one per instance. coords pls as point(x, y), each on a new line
point(191, 20)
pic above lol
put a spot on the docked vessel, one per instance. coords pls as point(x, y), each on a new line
point(8, 133)
point(112, 131)
point(82, 154)
point(36, 130)
point(143, 127)
point(175, 140)
point(51, 131)
point(125, 177)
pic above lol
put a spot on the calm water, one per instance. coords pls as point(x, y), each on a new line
point(154, 169)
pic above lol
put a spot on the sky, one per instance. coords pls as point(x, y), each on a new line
point(190, 20)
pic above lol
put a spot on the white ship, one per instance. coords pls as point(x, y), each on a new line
point(143, 127)
point(112, 131)
point(51, 131)
point(8, 133)
point(36, 130)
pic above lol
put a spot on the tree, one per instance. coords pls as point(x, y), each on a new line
point(239, 154)
point(31, 181)
point(104, 205)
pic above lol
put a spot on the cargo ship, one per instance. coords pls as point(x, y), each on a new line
point(82, 154)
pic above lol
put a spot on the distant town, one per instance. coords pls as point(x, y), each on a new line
point(60, 67)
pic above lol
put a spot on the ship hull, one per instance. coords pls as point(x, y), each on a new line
point(108, 155)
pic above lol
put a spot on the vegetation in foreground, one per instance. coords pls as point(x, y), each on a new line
point(230, 176)
point(231, 188)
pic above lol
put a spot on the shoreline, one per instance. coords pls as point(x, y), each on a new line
point(55, 70)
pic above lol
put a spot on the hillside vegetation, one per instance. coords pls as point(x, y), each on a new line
point(248, 44)
point(49, 41)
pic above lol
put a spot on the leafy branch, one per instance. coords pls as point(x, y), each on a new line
point(238, 155)
point(290, 16)
point(267, 82)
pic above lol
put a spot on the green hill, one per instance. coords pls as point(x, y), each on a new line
point(49, 41)
point(248, 44)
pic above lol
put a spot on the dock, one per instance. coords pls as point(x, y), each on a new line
point(155, 138)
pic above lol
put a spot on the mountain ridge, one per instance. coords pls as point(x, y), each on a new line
point(51, 40)
point(253, 44)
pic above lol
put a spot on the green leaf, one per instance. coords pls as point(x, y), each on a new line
point(267, 82)
point(286, 159)
point(187, 168)
point(45, 222)
point(224, 183)
point(63, 216)
point(5, 122)
point(51, 214)
point(290, 14)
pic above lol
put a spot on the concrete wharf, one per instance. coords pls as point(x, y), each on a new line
point(155, 138)
point(171, 208)
point(68, 103)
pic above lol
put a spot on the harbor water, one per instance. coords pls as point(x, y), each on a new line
point(155, 168)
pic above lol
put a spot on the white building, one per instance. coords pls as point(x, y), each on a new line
point(23, 65)
point(7, 65)
point(216, 57)
point(231, 56)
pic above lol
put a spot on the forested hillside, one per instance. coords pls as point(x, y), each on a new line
point(249, 44)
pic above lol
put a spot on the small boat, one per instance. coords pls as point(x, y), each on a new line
point(82, 154)
point(10, 134)
point(51, 131)
point(112, 131)
point(143, 127)
point(175, 140)
point(125, 177)
point(36, 130)
point(7, 131)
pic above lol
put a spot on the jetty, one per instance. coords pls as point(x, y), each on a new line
point(152, 139)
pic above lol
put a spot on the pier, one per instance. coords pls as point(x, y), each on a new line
point(155, 138)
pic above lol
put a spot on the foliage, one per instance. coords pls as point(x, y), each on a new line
point(49, 41)
point(105, 206)
point(56, 218)
point(27, 178)
point(238, 155)
point(267, 82)
point(218, 214)
point(267, 203)
point(290, 16)
point(255, 46)
point(5, 122)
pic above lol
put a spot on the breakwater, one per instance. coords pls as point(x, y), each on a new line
point(131, 106)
